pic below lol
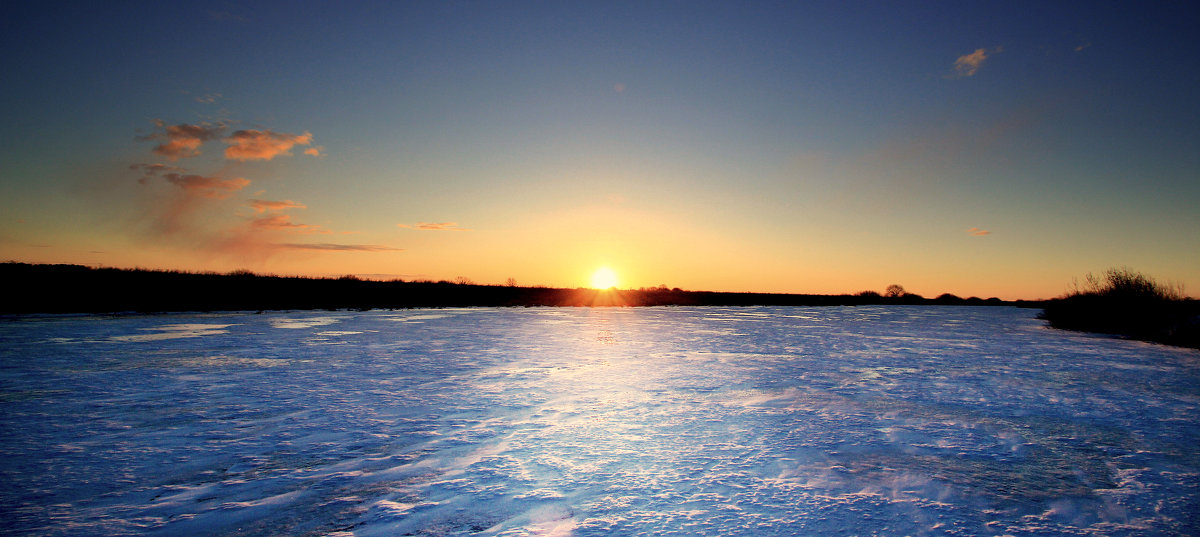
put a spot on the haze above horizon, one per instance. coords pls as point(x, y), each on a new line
point(830, 147)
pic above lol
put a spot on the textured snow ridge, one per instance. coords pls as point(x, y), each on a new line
point(606, 421)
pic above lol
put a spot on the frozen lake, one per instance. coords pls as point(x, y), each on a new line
point(606, 421)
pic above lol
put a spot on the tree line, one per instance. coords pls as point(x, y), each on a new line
point(80, 289)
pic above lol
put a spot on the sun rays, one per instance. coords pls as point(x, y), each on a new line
point(604, 278)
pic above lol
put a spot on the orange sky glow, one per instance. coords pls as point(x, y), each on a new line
point(795, 148)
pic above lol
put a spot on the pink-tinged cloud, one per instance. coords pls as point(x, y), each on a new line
point(183, 140)
point(262, 144)
point(978, 232)
point(155, 169)
point(341, 247)
point(207, 187)
point(434, 226)
point(150, 171)
point(261, 206)
point(969, 64)
point(283, 222)
point(318, 151)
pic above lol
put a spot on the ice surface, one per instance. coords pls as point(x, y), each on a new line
point(606, 421)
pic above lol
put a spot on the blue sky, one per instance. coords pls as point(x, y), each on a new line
point(979, 149)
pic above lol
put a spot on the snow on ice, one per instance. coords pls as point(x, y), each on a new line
point(605, 421)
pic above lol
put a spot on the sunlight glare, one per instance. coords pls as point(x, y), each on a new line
point(604, 278)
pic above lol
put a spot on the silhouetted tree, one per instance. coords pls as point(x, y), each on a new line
point(895, 290)
point(1127, 284)
point(1128, 303)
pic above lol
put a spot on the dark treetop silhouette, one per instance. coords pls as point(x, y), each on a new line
point(80, 289)
point(1123, 303)
point(1129, 304)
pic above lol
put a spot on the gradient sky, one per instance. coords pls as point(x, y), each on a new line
point(982, 149)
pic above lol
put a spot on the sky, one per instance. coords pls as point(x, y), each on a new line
point(975, 148)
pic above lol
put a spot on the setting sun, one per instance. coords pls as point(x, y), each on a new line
point(604, 278)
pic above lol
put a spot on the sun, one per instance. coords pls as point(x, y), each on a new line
point(604, 278)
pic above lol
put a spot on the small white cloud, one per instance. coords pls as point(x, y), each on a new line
point(969, 64)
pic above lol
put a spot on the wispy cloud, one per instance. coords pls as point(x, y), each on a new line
point(283, 222)
point(150, 171)
point(969, 64)
point(262, 144)
point(978, 232)
point(191, 214)
point(261, 206)
point(340, 247)
point(153, 169)
point(434, 226)
point(207, 187)
point(208, 98)
point(183, 140)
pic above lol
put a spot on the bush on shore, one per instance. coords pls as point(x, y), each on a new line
point(1129, 304)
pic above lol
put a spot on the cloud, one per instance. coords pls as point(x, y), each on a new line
point(183, 140)
point(1082, 46)
point(969, 64)
point(283, 222)
point(150, 171)
point(278, 221)
point(434, 226)
point(189, 213)
point(262, 144)
point(978, 232)
point(208, 98)
point(207, 187)
point(261, 206)
point(340, 247)
point(154, 169)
